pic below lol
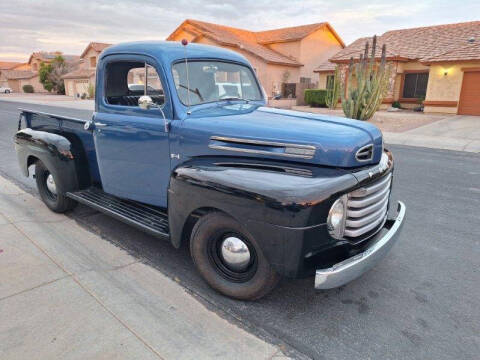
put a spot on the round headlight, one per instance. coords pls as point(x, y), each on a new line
point(336, 218)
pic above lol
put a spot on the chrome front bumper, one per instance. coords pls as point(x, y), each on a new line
point(351, 268)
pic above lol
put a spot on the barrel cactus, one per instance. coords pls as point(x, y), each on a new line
point(368, 83)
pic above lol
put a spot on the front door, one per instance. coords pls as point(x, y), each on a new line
point(132, 144)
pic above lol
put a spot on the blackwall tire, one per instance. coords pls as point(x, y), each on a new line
point(252, 283)
point(56, 202)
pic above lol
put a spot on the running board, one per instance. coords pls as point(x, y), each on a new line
point(144, 217)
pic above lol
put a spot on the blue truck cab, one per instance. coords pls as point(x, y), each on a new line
point(182, 146)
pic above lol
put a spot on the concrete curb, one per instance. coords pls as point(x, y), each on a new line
point(66, 293)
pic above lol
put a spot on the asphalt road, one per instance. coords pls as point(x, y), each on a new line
point(420, 302)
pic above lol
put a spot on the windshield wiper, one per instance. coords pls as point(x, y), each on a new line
point(196, 91)
point(234, 98)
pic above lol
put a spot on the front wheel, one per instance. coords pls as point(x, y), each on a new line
point(47, 187)
point(229, 258)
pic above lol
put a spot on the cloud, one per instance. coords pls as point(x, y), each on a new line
point(69, 25)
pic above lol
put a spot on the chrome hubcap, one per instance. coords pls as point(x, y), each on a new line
point(235, 253)
point(51, 186)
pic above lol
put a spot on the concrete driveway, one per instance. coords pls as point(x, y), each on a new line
point(460, 132)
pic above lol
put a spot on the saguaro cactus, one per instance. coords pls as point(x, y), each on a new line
point(333, 90)
point(368, 83)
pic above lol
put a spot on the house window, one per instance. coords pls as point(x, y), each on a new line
point(415, 85)
point(330, 81)
point(289, 90)
point(93, 61)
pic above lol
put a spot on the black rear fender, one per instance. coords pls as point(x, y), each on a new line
point(54, 150)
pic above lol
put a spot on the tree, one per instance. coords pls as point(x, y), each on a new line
point(43, 73)
point(51, 74)
point(371, 84)
point(333, 90)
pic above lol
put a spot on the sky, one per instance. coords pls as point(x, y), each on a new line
point(69, 25)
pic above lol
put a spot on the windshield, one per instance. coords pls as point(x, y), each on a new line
point(210, 81)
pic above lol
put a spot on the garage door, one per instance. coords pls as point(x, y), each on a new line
point(470, 95)
point(81, 87)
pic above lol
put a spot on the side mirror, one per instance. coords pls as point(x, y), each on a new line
point(145, 102)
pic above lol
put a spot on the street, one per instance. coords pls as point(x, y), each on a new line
point(421, 302)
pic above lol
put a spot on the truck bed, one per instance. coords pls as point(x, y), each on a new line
point(69, 127)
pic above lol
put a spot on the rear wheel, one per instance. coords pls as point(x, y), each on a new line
point(47, 187)
point(229, 258)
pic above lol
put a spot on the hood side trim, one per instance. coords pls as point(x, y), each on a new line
point(262, 147)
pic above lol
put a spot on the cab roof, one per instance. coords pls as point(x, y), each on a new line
point(171, 51)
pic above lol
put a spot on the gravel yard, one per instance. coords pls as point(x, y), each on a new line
point(397, 122)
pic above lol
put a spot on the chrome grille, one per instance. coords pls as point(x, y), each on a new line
point(367, 208)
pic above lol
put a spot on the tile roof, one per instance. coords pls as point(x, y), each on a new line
point(79, 74)
point(43, 55)
point(470, 51)
point(6, 65)
point(253, 42)
point(287, 34)
point(419, 43)
point(98, 47)
point(326, 66)
point(21, 66)
point(18, 74)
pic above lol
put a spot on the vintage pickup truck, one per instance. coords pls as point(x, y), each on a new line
point(182, 146)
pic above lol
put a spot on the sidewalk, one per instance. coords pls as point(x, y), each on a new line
point(66, 293)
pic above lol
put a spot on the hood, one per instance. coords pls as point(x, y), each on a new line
point(250, 130)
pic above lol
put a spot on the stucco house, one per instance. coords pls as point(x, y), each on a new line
point(78, 81)
point(284, 59)
point(440, 64)
point(39, 57)
point(15, 79)
point(13, 75)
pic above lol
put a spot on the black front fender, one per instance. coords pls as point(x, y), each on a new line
point(54, 150)
point(275, 203)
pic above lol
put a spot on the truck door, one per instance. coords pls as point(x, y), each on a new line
point(132, 143)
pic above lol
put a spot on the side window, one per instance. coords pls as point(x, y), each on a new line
point(415, 85)
point(127, 81)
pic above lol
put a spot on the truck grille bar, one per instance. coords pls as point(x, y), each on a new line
point(367, 208)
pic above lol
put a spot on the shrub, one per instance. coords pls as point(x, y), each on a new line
point(27, 89)
point(316, 97)
point(396, 104)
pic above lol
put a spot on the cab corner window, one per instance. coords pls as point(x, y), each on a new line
point(127, 81)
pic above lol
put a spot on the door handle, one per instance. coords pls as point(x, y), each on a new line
point(100, 124)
